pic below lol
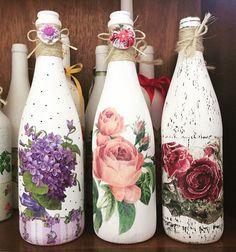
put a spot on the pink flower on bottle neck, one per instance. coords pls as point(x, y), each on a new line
point(145, 140)
point(138, 127)
point(49, 33)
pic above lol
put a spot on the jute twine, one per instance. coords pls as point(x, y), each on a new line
point(49, 50)
point(190, 38)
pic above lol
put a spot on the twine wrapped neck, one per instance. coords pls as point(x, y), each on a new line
point(46, 49)
point(190, 39)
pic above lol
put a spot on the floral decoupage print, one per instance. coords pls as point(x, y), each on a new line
point(194, 181)
point(47, 164)
point(122, 170)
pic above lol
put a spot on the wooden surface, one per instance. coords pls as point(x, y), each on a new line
point(10, 240)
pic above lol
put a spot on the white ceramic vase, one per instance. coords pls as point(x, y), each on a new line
point(51, 187)
point(124, 193)
point(192, 152)
point(16, 99)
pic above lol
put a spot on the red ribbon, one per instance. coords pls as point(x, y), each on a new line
point(162, 84)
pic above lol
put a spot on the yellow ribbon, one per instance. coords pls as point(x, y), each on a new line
point(69, 72)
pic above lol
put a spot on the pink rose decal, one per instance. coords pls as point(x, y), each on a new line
point(203, 180)
point(118, 163)
point(110, 123)
point(175, 158)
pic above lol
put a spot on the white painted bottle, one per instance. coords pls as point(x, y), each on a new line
point(5, 165)
point(127, 5)
point(100, 75)
point(124, 194)
point(156, 105)
point(16, 99)
point(51, 200)
point(192, 149)
point(79, 101)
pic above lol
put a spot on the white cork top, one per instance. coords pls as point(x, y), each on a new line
point(189, 22)
point(19, 48)
point(120, 17)
point(48, 17)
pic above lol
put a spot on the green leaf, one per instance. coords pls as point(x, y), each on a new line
point(127, 214)
point(47, 202)
point(139, 136)
point(73, 147)
point(98, 220)
point(151, 168)
point(29, 213)
point(111, 205)
point(143, 147)
point(95, 196)
point(31, 187)
point(144, 184)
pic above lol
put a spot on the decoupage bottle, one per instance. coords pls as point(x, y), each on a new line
point(124, 194)
point(127, 5)
point(5, 165)
point(16, 99)
point(51, 183)
point(192, 145)
point(100, 75)
point(76, 92)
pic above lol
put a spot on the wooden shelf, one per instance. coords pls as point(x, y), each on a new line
point(10, 240)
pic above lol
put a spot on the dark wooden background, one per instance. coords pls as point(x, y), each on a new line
point(159, 20)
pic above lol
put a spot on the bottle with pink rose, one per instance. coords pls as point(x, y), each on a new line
point(124, 187)
point(192, 188)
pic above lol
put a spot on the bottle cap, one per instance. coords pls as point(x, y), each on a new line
point(48, 17)
point(101, 49)
point(19, 48)
point(120, 17)
point(189, 22)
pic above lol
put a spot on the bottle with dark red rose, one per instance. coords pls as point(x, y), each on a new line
point(192, 145)
point(124, 194)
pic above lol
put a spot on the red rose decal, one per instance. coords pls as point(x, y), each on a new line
point(203, 180)
point(175, 158)
point(118, 163)
point(110, 122)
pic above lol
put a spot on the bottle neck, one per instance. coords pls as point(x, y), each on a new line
point(189, 42)
point(19, 66)
point(147, 70)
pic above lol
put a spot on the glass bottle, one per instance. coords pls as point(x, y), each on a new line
point(51, 200)
point(79, 101)
point(192, 148)
point(100, 75)
point(16, 99)
point(5, 166)
point(124, 194)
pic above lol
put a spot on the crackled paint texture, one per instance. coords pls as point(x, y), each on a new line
point(192, 118)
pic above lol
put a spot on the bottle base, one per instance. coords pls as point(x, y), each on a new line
point(132, 239)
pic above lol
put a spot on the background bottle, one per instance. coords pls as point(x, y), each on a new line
point(100, 75)
point(5, 166)
point(156, 105)
point(192, 147)
point(51, 183)
point(79, 101)
point(16, 99)
point(123, 148)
